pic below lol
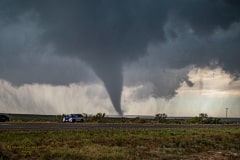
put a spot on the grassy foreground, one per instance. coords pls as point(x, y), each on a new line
point(121, 144)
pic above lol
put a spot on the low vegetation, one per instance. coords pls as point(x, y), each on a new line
point(103, 118)
point(204, 119)
point(161, 117)
point(121, 144)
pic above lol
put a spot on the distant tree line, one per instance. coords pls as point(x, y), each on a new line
point(204, 119)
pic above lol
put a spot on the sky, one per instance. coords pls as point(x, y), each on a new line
point(120, 57)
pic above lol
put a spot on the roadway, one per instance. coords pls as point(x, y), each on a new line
point(90, 126)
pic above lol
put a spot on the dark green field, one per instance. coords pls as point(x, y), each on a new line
point(216, 143)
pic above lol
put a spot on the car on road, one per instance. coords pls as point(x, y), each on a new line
point(73, 118)
point(4, 118)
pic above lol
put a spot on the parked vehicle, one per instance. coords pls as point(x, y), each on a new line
point(4, 118)
point(73, 118)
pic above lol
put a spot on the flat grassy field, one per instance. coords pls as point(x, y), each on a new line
point(112, 144)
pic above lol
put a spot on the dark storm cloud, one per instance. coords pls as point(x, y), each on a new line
point(168, 63)
point(25, 60)
point(107, 34)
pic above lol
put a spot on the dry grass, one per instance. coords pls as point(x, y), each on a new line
point(121, 144)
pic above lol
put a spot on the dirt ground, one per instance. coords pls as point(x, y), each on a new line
point(220, 155)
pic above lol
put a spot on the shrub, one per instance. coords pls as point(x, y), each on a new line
point(161, 117)
point(99, 117)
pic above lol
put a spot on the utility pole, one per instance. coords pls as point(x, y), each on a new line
point(226, 112)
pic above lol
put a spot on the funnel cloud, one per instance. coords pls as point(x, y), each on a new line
point(110, 36)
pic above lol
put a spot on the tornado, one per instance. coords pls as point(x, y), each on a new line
point(110, 72)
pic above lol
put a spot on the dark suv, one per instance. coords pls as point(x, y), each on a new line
point(4, 118)
point(73, 118)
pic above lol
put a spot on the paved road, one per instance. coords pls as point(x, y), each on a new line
point(75, 126)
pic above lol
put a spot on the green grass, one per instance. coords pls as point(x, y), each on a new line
point(119, 144)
